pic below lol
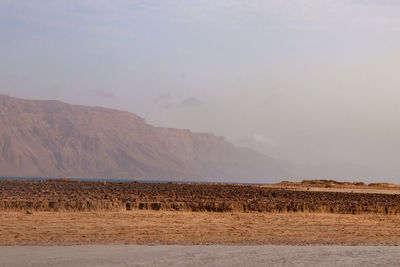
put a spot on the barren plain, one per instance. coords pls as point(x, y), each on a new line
point(69, 213)
point(190, 228)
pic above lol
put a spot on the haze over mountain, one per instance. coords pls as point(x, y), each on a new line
point(314, 83)
point(54, 139)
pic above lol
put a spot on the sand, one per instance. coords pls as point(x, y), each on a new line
point(362, 190)
point(188, 228)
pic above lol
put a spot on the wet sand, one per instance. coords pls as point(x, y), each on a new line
point(193, 228)
point(199, 256)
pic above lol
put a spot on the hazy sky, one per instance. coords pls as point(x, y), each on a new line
point(313, 82)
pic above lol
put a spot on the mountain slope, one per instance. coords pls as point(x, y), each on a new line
point(54, 139)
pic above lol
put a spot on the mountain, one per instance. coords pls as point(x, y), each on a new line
point(55, 139)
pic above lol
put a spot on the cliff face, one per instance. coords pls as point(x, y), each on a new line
point(54, 139)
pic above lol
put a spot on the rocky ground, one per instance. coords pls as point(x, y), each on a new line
point(65, 195)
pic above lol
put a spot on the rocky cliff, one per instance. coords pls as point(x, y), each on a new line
point(54, 139)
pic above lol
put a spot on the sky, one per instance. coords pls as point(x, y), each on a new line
point(312, 82)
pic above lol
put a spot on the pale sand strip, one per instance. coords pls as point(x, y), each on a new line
point(362, 190)
point(199, 256)
point(160, 227)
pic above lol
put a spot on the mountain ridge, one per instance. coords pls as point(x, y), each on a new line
point(50, 138)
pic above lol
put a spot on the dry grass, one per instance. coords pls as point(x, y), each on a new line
point(64, 196)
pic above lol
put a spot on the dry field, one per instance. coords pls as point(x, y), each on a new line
point(67, 213)
point(173, 227)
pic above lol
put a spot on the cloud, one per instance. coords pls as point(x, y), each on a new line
point(102, 94)
point(117, 20)
point(262, 139)
point(163, 98)
point(259, 142)
point(191, 102)
point(299, 14)
point(168, 101)
point(165, 101)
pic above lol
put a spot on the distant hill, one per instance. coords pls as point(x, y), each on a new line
point(54, 139)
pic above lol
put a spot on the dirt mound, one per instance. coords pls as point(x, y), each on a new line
point(383, 185)
point(331, 183)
